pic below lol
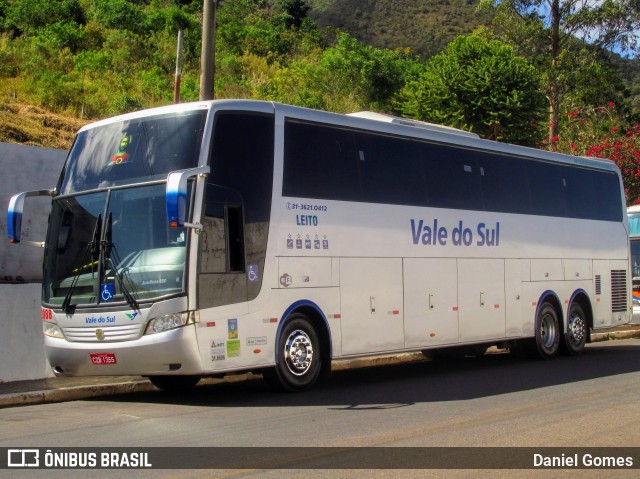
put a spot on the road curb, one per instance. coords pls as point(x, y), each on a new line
point(615, 335)
point(75, 393)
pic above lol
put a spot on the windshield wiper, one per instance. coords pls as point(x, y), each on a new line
point(110, 252)
point(92, 249)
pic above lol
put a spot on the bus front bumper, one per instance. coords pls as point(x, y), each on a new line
point(171, 352)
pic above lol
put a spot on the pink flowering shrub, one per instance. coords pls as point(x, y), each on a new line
point(599, 132)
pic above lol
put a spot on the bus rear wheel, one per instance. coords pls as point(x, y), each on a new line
point(546, 342)
point(298, 359)
point(577, 330)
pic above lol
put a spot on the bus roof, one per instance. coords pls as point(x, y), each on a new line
point(367, 120)
point(372, 115)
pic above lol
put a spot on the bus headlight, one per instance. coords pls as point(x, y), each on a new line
point(52, 330)
point(169, 321)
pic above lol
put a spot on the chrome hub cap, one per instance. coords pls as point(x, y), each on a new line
point(298, 353)
point(576, 329)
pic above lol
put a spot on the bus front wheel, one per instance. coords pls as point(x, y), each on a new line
point(546, 342)
point(298, 359)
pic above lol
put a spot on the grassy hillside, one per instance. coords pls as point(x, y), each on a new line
point(95, 58)
point(32, 125)
point(424, 26)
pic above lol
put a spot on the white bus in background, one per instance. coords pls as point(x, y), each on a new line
point(633, 213)
point(212, 238)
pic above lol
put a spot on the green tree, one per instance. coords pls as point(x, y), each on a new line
point(373, 75)
point(118, 14)
point(254, 27)
point(345, 77)
point(27, 16)
point(294, 12)
point(61, 35)
point(548, 30)
point(479, 86)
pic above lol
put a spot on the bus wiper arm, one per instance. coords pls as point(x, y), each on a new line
point(92, 249)
point(110, 252)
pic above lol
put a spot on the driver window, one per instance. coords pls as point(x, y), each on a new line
point(222, 240)
point(213, 251)
point(222, 276)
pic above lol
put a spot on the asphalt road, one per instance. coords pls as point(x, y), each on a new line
point(494, 401)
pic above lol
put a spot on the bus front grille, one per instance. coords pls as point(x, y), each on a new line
point(104, 334)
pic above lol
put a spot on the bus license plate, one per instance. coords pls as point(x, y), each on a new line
point(103, 358)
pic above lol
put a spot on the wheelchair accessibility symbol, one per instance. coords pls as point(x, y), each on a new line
point(106, 292)
point(253, 272)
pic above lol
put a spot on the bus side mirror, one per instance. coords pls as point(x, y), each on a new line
point(14, 215)
point(177, 194)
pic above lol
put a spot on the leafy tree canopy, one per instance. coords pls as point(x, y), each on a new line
point(479, 86)
point(26, 16)
point(548, 32)
point(610, 24)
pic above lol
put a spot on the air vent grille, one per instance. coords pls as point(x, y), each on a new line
point(619, 291)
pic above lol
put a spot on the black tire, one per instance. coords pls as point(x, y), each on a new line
point(546, 342)
point(575, 337)
point(174, 383)
point(298, 356)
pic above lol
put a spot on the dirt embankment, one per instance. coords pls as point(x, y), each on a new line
point(35, 126)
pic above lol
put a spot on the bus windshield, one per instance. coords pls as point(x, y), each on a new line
point(129, 254)
point(109, 239)
point(136, 150)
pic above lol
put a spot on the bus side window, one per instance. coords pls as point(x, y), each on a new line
point(222, 242)
point(222, 249)
point(213, 254)
point(235, 235)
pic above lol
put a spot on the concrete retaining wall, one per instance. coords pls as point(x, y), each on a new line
point(24, 168)
point(21, 342)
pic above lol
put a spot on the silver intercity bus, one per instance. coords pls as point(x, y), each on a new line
point(216, 237)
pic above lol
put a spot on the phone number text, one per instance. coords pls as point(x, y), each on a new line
point(305, 207)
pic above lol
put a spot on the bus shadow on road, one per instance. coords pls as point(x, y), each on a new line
point(399, 385)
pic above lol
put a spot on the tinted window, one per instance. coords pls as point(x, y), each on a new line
point(390, 170)
point(237, 209)
point(546, 189)
point(454, 179)
point(136, 150)
point(510, 195)
point(242, 160)
point(579, 189)
point(322, 161)
point(608, 194)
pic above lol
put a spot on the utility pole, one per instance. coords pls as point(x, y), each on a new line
point(176, 85)
point(207, 58)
